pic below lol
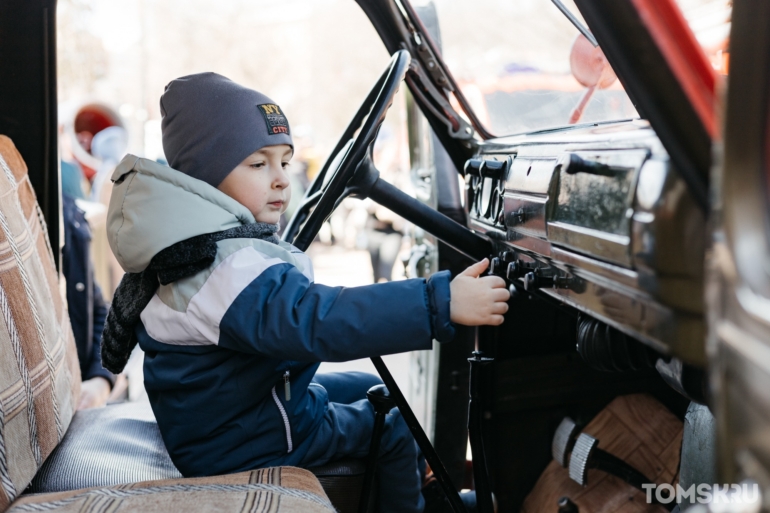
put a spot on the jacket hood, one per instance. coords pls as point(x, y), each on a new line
point(154, 206)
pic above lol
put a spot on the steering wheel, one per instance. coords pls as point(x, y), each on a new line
point(325, 194)
point(356, 175)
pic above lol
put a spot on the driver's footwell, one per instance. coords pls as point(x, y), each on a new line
point(635, 428)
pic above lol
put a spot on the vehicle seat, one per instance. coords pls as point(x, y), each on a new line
point(121, 444)
point(40, 386)
point(268, 490)
point(107, 446)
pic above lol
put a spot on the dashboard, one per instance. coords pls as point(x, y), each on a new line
point(596, 217)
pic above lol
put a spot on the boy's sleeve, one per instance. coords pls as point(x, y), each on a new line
point(283, 315)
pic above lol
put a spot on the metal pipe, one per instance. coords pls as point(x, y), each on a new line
point(371, 463)
point(431, 456)
point(475, 434)
point(445, 229)
point(571, 17)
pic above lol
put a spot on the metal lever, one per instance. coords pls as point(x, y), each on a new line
point(495, 169)
point(473, 167)
point(431, 456)
point(494, 266)
point(537, 280)
point(380, 398)
point(486, 168)
point(573, 164)
point(484, 501)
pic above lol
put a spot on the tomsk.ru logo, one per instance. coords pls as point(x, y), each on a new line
point(727, 498)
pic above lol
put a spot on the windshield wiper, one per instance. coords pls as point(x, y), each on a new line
point(571, 17)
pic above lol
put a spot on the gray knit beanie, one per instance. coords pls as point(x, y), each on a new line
point(210, 124)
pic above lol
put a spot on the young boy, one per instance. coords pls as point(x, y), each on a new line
point(232, 325)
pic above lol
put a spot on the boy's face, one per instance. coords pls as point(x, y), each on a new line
point(260, 183)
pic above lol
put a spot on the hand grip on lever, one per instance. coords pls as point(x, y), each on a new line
point(573, 164)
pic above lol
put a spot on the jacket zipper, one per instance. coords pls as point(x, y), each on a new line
point(287, 386)
point(286, 424)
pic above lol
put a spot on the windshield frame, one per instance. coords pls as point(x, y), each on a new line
point(410, 16)
point(430, 51)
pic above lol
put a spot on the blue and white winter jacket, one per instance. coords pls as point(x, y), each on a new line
point(220, 346)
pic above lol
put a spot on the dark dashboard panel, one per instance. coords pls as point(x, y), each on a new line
point(596, 217)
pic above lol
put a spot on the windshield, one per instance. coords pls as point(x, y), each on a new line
point(514, 61)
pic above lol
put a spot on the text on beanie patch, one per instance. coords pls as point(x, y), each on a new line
point(276, 121)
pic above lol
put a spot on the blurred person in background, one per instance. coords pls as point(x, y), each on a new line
point(87, 309)
point(86, 304)
point(72, 179)
point(307, 160)
point(383, 240)
point(383, 230)
point(109, 146)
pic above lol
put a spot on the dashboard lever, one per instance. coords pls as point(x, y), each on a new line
point(508, 256)
point(515, 270)
point(573, 164)
point(494, 266)
point(473, 167)
point(537, 280)
point(494, 169)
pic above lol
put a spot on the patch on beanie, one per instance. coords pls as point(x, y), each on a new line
point(276, 121)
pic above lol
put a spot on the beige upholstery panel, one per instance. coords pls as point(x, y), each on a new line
point(39, 372)
point(271, 490)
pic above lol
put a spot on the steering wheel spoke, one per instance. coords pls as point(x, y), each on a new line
point(356, 176)
point(369, 118)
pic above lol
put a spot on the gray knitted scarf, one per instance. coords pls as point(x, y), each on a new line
point(135, 290)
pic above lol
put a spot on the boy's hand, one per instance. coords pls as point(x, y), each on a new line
point(478, 301)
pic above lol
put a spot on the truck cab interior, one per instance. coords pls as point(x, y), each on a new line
point(636, 348)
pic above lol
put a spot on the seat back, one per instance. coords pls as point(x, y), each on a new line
point(39, 372)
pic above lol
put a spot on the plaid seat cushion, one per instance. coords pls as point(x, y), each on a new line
point(270, 490)
point(39, 373)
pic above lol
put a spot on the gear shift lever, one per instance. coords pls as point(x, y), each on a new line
point(380, 398)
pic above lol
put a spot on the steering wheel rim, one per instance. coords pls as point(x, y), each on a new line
point(325, 194)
